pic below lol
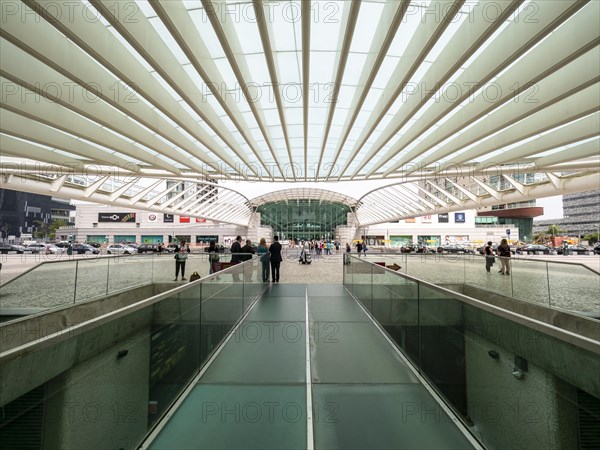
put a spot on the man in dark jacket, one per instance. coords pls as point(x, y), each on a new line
point(275, 251)
point(236, 247)
point(247, 251)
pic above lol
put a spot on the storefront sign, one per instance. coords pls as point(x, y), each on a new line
point(442, 218)
point(459, 217)
point(116, 217)
point(168, 218)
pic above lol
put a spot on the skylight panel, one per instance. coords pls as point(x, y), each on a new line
point(366, 26)
point(227, 74)
point(386, 71)
point(345, 97)
point(145, 8)
point(207, 33)
point(249, 37)
point(354, 68)
point(288, 69)
point(170, 42)
point(283, 33)
point(321, 67)
point(166, 86)
point(326, 25)
point(131, 50)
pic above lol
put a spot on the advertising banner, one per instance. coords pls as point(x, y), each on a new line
point(459, 217)
point(116, 217)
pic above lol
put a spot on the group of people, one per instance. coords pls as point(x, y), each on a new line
point(270, 257)
point(503, 252)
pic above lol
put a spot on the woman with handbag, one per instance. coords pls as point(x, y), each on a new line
point(504, 254)
point(263, 254)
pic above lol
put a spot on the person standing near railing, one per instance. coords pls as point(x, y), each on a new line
point(275, 251)
point(181, 255)
point(263, 253)
point(489, 257)
point(213, 256)
point(504, 254)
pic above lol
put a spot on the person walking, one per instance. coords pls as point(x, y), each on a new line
point(181, 256)
point(488, 251)
point(275, 251)
point(213, 255)
point(359, 248)
point(263, 253)
point(504, 254)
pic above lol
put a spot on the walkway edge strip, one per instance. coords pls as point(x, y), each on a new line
point(310, 444)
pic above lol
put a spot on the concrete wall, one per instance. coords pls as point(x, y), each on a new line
point(102, 402)
point(535, 412)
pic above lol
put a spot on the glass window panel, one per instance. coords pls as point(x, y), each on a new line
point(366, 26)
point(202, 23)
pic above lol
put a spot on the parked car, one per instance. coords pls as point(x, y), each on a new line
point(93, 244)
point(36, 248)
point(120, 249)
point(533, 249)
point(54, 250)
point(597, 249)
point(579, 250)
point(11, 248)
point(454, 248)
point(82, 249)
point(408, 248)
point(152, 248)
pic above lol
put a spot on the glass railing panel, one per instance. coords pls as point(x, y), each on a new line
point(253, 284)
point(127, 271)
point(222, 306)
point(46, 286)
point(529, 280)
point(175, 348)
point(361, 271)
point(446, 269)
point(92, 278)
point(574, 288)
point(163, 267)
point(396, 308)
point(441, 349)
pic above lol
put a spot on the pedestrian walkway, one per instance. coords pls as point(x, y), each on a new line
point(255, 393)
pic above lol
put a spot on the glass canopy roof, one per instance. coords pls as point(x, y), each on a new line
point(297, 91)
point(434, 99)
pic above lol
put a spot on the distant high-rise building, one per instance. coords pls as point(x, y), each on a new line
point(581, 215)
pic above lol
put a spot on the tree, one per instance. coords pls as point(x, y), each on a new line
point(554, 230)
point(540, 238)
point(5, 229)
point(592, 238)
point(47, 231)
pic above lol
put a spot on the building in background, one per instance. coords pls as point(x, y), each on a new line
point(581, 215)
point(22, 213)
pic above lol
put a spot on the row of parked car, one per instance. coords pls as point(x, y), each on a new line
point(538, 249)
point(83, 248)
